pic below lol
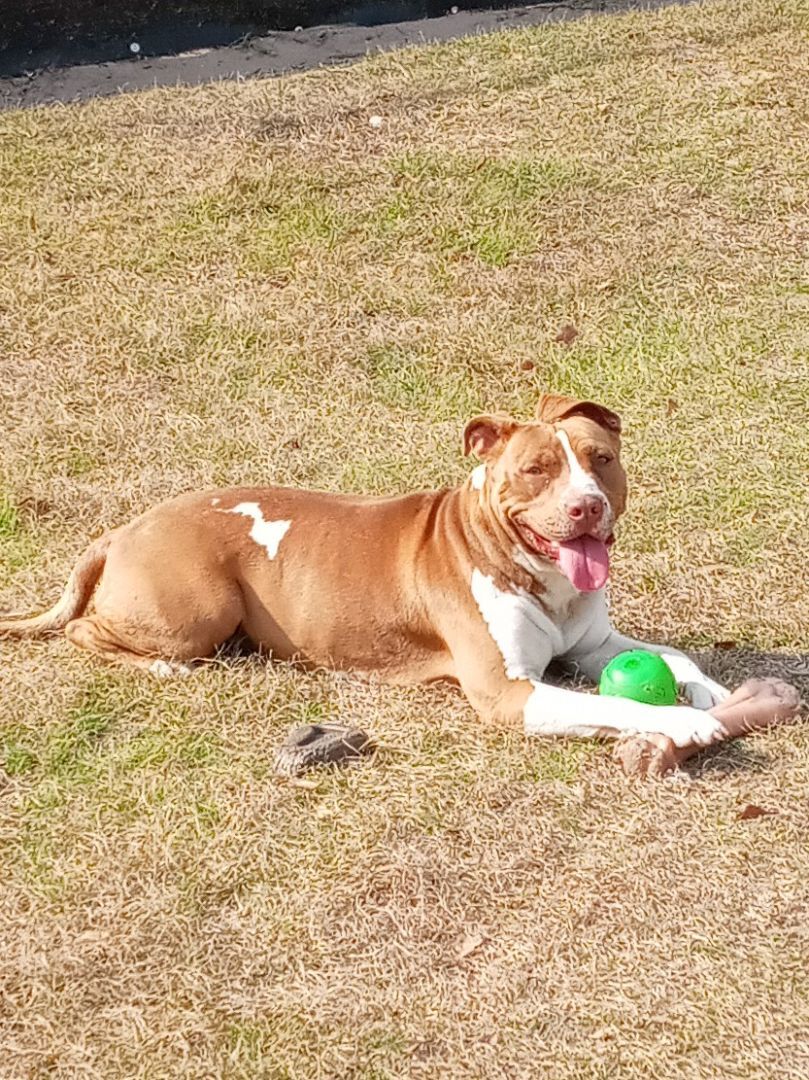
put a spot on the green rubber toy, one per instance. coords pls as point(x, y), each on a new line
point(641, 676)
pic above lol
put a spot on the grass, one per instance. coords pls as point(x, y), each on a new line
point(16, 543)
point(247, 283)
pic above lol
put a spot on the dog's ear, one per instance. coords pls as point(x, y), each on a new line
point(553, 407)
point(488, 434)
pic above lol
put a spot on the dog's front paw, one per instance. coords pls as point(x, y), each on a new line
point(690, 727)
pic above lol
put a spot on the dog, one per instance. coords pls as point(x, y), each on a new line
point(483, 584)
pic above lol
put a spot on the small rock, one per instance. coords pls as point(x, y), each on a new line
point(375, 122)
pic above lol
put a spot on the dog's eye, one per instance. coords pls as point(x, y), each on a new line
point(603, 459)
point(535, 469)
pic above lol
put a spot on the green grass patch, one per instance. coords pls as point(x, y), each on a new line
point(562, 763)
point(17, 753)
point(17, 546)
point(416, 382)
point(72, 747)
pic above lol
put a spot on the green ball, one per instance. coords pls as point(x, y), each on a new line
point(641, 676)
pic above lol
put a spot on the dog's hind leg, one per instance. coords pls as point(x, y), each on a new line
point(87, 633)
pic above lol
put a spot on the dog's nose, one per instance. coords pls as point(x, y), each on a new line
point(588, 508)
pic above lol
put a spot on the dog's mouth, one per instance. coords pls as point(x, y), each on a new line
point(538, 544)
point(584, 560)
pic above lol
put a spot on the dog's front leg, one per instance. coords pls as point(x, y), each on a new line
point(553, 710)
point(701, 691)
point(500, 660)
point(520, 698)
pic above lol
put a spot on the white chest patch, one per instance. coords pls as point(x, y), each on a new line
point(527, 636)
point(267, 534)
point(478, 477)
point(523, 633)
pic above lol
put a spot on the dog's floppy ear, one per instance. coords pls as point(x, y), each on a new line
point(553, 407)
point(486, 434)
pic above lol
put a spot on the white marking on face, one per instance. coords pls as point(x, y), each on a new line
point(478, 477)
point(267, 534)
point(580, 481)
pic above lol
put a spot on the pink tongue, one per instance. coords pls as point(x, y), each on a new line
point(585, 562)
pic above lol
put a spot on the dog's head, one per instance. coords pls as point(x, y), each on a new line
point(556, 483)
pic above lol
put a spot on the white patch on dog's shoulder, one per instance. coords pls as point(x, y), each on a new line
point(478, 477)
point(267, 534)
point(215, 502)
point(525, 636)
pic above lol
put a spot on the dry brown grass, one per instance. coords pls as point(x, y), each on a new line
point(246, 283)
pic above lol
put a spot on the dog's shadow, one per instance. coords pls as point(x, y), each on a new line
point(735, 756)
point(731, 667)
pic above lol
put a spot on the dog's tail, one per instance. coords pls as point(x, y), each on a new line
point(73, 601)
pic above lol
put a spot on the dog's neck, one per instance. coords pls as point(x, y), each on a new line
point(499, 553)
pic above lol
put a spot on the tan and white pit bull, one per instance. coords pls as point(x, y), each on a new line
point(483, 584)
